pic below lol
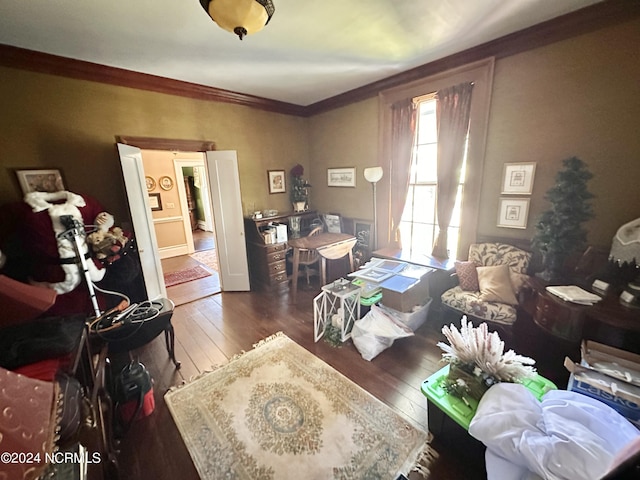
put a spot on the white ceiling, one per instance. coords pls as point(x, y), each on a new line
point(310, 51)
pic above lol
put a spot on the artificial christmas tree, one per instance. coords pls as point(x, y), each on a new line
point(559, 230)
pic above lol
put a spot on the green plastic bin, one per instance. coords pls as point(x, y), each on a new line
point(456, 409)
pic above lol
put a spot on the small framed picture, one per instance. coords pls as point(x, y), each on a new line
point(155, 202)
point(151, 183)
point(276, 181)
point(40, 180)
point(166, 183)
point(513, 212)
point(332, 221)
point(517, 178)
point(341, 177)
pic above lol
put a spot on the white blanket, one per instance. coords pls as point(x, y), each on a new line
point(567, 435)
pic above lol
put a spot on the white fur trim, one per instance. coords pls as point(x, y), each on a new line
point(66, 248)
point(40, 201)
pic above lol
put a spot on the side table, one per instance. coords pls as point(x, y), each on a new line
point(607, 321)
point(341, 298)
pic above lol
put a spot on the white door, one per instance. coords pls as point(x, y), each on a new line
point(133, 173)
point(224, 185)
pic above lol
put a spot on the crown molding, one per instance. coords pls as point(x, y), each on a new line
point(599, 15)
point(40, 62)
point(585, 20)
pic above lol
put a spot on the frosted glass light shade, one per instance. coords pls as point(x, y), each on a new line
point(373, 174)
point(242, 17)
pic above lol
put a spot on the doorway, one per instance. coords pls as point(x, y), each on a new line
point(193, 274)
point(221, 173)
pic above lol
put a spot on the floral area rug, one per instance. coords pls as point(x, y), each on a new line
point(279, 412)
point(186, 275)
point(208, 257)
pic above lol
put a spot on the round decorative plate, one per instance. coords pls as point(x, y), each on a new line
point(151, 183)
point(166, 183)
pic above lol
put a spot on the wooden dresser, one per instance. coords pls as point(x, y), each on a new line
point(268, 261)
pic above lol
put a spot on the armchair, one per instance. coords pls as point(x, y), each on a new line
point(489, 285)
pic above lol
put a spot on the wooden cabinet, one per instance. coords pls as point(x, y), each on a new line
point(608, 321)
point(268, 261)
point(559, 318)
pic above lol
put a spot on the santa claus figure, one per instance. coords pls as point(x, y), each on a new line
point(45, 221)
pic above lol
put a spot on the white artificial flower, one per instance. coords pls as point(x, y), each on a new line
point(483, 351)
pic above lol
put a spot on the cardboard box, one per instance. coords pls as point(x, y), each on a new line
point(403, 293)
point(610, 375)
point(414, 319)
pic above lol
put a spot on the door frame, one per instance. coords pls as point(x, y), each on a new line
point(171, 145)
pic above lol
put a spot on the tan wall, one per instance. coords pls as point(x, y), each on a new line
point(345, 137)
point(49, 121)
point(579, 97)
point(158, 164)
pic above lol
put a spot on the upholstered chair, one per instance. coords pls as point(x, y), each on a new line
point(490, 284)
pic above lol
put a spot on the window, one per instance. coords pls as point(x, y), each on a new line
point(419, 224)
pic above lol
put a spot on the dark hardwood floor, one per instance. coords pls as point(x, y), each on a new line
point(211, 330)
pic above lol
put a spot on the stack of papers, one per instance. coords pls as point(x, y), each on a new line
point(378, 270)
point(574, 294)
point(399, 283)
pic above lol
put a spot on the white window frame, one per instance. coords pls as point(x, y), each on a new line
point(481, 74)
point(454, 227)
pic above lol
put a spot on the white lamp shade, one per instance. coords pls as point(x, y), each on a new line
point(231, 14)
point(373, 174)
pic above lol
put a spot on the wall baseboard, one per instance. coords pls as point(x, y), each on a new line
point(173, 251)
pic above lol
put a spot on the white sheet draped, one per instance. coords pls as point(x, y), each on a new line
point(567, 435)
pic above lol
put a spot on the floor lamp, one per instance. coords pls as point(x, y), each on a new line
point(373, 175)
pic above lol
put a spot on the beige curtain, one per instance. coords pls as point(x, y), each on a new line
point(453, 109)
point(403, 130)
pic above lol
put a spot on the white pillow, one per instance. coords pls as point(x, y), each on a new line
point(495, 285)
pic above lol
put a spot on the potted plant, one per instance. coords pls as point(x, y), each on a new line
point(299, 189)
point(559, 230)
point(477, 360)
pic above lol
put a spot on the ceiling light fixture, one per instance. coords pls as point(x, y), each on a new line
point(241, 17)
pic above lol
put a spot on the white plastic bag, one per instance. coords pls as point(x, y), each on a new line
point(376, 332)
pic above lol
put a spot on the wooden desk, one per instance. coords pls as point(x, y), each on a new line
point(267, 261)
point(330, 246)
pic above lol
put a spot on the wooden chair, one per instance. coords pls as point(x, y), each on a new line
point(308, 257)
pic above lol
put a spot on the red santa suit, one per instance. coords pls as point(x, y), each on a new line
point(54, 257)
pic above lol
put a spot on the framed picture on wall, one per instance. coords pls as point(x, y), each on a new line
point(276, 181)
point(517, 178)
point(150, 182)
point(155, 202)
point(341, 177)
point(513, 212)
point(40, 180)
point(166, 183)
